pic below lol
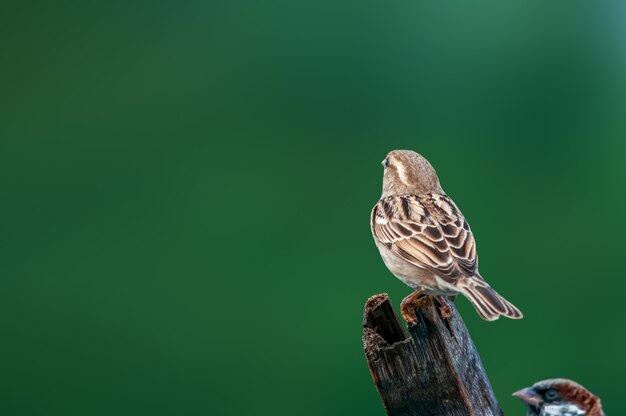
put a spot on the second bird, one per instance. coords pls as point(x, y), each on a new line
point(426, 242)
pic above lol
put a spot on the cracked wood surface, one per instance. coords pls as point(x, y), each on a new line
point(432, 370)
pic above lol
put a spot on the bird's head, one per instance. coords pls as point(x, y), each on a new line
point(559, 397)
point(407, 172)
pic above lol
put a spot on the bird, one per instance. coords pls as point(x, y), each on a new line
point(559, 397)
point(426, 242)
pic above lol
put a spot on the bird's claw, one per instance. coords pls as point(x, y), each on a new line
point(444, 307)
point(407, 307)
point(408, 314)
point(445, 312)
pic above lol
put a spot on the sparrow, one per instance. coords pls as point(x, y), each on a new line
point(425, 241)
point(559, 397)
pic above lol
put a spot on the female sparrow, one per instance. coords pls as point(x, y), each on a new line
point(559, 397)
point(426, 242)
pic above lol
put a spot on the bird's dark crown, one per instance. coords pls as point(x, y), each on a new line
point(564, 392)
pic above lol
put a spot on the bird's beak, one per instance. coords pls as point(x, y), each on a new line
point(530, 397)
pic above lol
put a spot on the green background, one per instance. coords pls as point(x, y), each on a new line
point(186, 190)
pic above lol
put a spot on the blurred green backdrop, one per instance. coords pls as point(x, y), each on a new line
point(186, 192)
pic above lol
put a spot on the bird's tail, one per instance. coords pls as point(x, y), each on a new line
point(487, 302)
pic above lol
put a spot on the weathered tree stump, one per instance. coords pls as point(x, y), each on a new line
point(434, 370)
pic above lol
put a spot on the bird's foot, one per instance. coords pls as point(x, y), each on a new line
point(407, 307)
point(444, 307)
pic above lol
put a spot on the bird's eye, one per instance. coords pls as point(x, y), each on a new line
point(551, 394)
point(385, 162)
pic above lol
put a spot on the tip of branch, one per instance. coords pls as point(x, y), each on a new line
point(375, 301)
point(380, 318)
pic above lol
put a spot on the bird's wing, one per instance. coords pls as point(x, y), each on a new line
point(427, 231)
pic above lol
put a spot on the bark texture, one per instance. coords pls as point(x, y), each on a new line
point(432, 370)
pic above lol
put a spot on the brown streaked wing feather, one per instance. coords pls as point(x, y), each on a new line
point(429, 232)
point(456, 231)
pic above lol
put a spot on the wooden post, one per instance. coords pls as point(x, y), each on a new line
point(434, 370)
